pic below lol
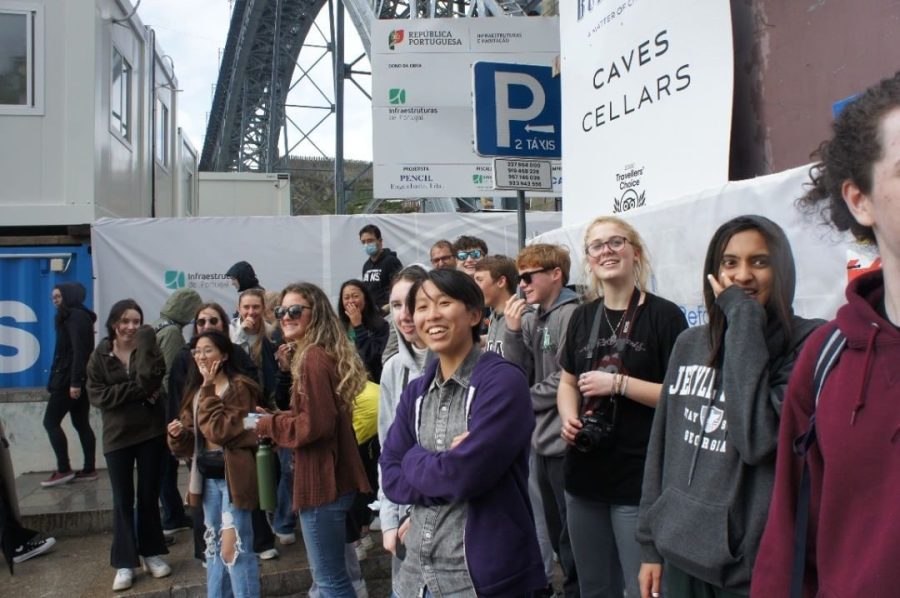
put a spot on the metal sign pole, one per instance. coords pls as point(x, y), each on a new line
point(520, 210)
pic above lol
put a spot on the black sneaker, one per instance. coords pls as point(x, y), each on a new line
point(37, 545)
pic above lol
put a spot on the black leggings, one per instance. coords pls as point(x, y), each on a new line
point(136, 532)
point(57, 407)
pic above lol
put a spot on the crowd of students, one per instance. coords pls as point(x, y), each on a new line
point(520, 423)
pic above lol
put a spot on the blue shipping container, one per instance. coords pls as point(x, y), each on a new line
point(27, 335)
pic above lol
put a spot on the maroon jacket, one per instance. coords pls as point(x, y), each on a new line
point(854, 525)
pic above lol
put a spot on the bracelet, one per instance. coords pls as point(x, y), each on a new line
point(625, 386)
point(617, 381)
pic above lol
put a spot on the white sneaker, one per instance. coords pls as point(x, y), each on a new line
point(156, 566)
point(268, 555)
point(287, 538)
point(124, 579)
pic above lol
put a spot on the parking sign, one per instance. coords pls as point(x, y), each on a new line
point(517, 110)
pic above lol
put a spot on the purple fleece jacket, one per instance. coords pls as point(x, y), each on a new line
point(488, 470)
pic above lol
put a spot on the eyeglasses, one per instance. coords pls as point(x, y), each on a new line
point(441, 259)
point(615, 243)
point(462, 256)
point(202, 322)
point(204, 352)
point(526, 276)
point(294, 312)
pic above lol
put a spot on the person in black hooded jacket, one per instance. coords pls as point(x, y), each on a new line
point(74, 342)
point(243, 276)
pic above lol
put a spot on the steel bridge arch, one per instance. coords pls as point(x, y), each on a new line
point(264, 41)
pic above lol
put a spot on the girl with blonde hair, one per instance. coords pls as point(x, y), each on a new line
point(327, 375)
point(613, 361)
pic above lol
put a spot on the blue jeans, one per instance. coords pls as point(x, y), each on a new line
point(285, 519)
point(324, 534)
point(240, 578)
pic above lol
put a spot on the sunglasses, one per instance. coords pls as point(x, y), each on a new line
point(294, 312)
point(526, 276)
point(201, 322)
point(462, 256)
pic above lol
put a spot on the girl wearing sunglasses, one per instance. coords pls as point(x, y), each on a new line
point(327, 375)
point(613, 361)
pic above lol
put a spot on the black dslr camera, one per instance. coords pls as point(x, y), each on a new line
point(597, 429)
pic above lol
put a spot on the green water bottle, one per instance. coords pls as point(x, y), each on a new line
point(265, 475)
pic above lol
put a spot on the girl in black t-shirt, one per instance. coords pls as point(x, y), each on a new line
point(614, 360)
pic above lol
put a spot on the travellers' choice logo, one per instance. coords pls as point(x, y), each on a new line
point(395, 37)
point(396, 95)
point(174, 279)
point(629, 183)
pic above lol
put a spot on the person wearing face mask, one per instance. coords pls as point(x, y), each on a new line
point(711, 458)
point(380, 266)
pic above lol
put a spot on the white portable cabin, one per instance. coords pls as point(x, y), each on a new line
point(88, 106)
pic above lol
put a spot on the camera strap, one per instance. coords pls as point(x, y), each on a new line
point(628, 316)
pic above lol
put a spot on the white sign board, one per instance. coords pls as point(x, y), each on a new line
point(677, 235)
point(647, 95)
point(422, 116)
point(525, 175)
point(148, 258)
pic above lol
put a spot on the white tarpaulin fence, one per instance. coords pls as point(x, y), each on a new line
point(146, 259)
point(678, 233)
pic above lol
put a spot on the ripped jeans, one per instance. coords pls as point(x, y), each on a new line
point(240, 578)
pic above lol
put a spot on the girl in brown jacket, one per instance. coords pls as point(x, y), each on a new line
point(210, 431)
point(327, 375)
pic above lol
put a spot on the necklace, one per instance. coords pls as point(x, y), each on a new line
point(614, 329)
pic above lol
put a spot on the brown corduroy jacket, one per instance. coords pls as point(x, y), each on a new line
point(318, 427)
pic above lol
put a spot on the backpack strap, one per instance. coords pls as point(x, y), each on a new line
point(164, 323)
point(829, 353)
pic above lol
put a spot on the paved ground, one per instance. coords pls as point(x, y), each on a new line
point(78, 515)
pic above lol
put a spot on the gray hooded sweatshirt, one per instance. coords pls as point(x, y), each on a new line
point(398, 371)
point(536, 349)
point(710, 463)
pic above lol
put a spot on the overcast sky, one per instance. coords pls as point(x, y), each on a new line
point(193, 33)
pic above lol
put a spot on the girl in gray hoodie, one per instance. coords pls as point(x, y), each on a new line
point(407, 364)
point(711, 459)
